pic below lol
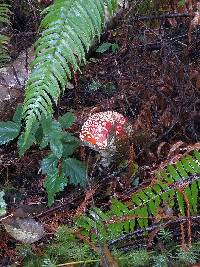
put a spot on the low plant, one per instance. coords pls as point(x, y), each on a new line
point(60, 167)
point(4, 40)
point(106, 47)
point(2, 204)
point(67, 31)
point(67, 249)
point(177, 187)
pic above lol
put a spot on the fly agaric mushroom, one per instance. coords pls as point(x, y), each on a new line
point(102, 130)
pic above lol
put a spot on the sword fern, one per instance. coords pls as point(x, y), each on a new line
point(177, 186)
point(68, 29)
point(4, 40)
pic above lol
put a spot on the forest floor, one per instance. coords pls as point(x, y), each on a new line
point(153, 78)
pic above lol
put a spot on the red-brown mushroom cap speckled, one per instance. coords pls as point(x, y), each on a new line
point(97, 129)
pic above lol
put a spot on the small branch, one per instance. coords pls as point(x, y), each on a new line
point(77, 262)
point(160, 17)
point(140, 232)
point(23, 34)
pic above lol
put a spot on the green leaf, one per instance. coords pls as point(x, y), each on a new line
point(27, 139)
point(76, 170)
point(119, 208)
point(54, 183)
point(181, 3)
point(69, 148)
point(56, 147)
point(103, 48)
point(68, 29)
point(17, 117)
point(68, 137)
point(8, 131)
point(114, 47)
point(112, 6)
point(67, 120)
point(53, 134)
point(23, 146)
point(49, 164)
point(2, 204)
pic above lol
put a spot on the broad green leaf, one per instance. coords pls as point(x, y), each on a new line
point(9, 130)
point(17, 117)
point(27, 139)
point(56, 147)
point(67, 120)
point(54, 183)
point(104, 47)
point(53, 133)
point(69, 148)
point(22, 147)
point(75, 170)
point(114, 47)
point(68, 137)
point(2, 204)
point(49, 164)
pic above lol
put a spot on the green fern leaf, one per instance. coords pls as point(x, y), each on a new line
point(112, 5)
point(4, 40)
point(174, 185)
point(3, 204)
point(68, 30)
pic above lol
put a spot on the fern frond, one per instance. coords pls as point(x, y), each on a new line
point(176, 184)
point(4, 40)
point(68, 30)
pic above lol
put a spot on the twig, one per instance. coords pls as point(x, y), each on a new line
point(160, 17)
point(23, 34)
point(140, 232)
point(77, 262)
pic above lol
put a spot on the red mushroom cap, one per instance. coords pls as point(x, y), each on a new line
point(96, 131)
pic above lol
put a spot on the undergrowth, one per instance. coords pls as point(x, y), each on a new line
point(67, 249)
point(4, 39)
point(67, 32)
point(177, 187)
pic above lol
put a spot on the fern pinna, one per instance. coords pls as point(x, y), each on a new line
point(4, 40)
point(176, 184)
point(68, 29)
